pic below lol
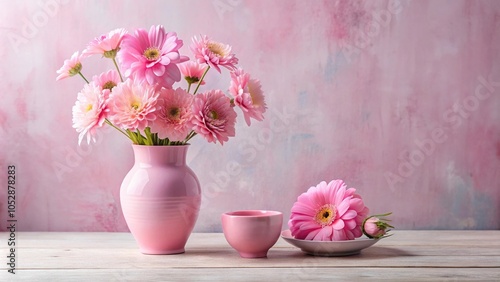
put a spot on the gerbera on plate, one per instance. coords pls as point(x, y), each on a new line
point(133, 105)
point(328, 212)
point(89, 111)
point(173, 119)
point(212, 53)
point(71, 67)
point(107, 44)
point(248, 95)
point(214, 118)
point(152, 56)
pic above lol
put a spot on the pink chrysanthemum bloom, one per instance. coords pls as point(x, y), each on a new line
point(71, 66)
point(89, 112)
point(173, 119)
point(107, 80)
point(213, 53)
point(107, 44)
point(192, 71)
point(328, 212)
point(153, 56)
point(248, 95)
point(133, 105)
point(214, 118)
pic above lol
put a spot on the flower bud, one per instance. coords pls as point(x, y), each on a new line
point(375, 227)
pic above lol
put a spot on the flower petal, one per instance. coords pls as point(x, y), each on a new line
point(343, 206)
point(350, 224)
point(302, 208)
point(350, 214)
point(324, 234)
point(312, 234)
point(339, 235)
point(338, 224)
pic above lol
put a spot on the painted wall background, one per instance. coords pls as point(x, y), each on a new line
point(399, 98)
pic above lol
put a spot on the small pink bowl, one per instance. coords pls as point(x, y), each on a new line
point(252, 232)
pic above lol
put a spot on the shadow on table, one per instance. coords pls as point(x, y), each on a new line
point(370, 253)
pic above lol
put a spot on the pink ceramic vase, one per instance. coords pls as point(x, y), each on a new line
point(160, 198)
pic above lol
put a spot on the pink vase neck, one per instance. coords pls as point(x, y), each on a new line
point(160, 155)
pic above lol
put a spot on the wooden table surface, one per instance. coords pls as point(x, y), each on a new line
point(408, 255)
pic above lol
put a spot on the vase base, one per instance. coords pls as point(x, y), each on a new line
point(162, 252)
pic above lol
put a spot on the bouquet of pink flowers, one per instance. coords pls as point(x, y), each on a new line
point(139, 100)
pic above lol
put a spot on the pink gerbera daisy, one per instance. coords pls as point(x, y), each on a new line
point(89, 112)
point(192, 71)
point(213, 53)
point(153, 56)
point(214, 118)
point(173, 119)
point(248, 95)
point(133, 105)
point(328, 212)
point(71, 67)
point(107, 44)
point(107, 80)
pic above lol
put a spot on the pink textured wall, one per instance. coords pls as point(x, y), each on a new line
point(399, 98)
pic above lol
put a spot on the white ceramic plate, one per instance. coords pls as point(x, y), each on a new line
point(329, 248)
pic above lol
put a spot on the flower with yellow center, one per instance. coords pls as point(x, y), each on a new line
point(326, 214)
point(217, 48)
point(152, 53)
point(109, 85)
point(213, 53)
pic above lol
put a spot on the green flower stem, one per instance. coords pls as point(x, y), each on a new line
point(201, 80)
point(112, 125)
point(80, 73)
point(149, 138)
point(189, 86)
point(132, 137)
point(117, 68)
point(381, 215)
point(190, 135)
point(142, 140)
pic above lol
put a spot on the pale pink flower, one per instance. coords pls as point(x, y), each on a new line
point(248, 95)
point(328, 212)
point(107, 80)
point(71, 66)
point(192, 71)
point(173, 119)
point(213, 53)
point(375, 227)
point(153, 56)
point(214, 118)
point(133, 105)
point(107, 44)
point(89, 111)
